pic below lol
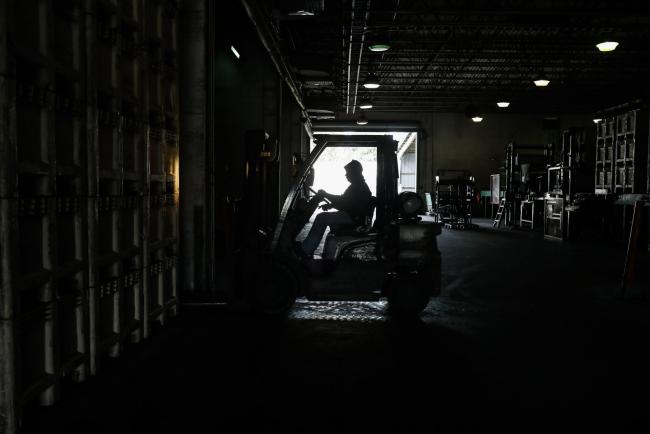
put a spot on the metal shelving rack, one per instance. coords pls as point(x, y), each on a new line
point(621, 152)
point(454, 197)
point(605, 136)
point(630, 165)
point(88, 187)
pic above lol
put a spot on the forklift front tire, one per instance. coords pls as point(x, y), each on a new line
point(407, 296)
point(276, 286)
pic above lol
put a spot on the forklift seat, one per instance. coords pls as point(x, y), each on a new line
point(364, 227)
point(344, 236)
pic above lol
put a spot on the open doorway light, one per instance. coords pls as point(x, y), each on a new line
point(406, 160)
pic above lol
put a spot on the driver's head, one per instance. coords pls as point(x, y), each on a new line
point(353, 170)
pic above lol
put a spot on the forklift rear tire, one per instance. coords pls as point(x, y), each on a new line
point(276, 286)
point(407, 297)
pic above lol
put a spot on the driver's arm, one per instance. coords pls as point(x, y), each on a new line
point(341, 202)
point(331, 197)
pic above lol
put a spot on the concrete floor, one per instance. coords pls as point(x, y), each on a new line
point(528, 336)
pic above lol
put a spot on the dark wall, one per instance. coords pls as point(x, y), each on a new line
point(193, 157)
point(243, 94)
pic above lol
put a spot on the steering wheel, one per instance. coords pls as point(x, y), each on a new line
point(315, 193)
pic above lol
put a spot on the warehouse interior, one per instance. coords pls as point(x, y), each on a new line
point(165, 166)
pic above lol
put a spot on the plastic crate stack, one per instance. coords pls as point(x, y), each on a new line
point(88, 188)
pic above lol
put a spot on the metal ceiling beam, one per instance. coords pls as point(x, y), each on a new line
point(606, 12)
point(361, 43)
point(266, 36)
point(347, 106)
point(515, 44)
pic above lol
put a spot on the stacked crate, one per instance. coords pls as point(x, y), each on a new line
point(88, 187)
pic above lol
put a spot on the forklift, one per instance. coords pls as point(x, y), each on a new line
point(394, 255)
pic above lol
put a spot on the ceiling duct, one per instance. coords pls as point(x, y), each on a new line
point(321, 115)
point(313, 72)
point(316, 83)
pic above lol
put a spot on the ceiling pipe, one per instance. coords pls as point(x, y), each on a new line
point(363, 38)
point(271, 46)
point(347, 104)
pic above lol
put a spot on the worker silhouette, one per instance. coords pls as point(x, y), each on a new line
point(352, 208)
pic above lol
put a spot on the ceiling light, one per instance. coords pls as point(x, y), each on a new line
point(503, 104)
point(302, 13)
point(317, 83)
point(361, 120)
point(371, 81)
point(305, 8)
point(234, 51)
point(378, 41)
point(541, 82)
point(365, 104)
point(477, 119)
point(607, 46)
point(597, 120)
point(379, 47)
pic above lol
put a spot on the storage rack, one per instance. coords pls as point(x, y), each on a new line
point(454, 197)
point(554, 227)
point(630, 166)
point(621, 152)
point(88, 187)
point(537, 159)
point(605, 155)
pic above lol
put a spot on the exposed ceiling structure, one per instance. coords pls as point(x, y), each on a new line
point(448, 55)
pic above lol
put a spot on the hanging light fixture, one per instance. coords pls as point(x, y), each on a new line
point(361, 120)
point(371, 81)
point(379, 42)
point(306, 8)
point(607, 46)
point(365, 104)
point(477, 119)
point(608, 43)
point(503, 104)
point(596, 120)
point(301, 13)
point(379, 47)
point(541, 82)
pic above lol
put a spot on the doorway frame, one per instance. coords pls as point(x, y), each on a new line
point(424, 161)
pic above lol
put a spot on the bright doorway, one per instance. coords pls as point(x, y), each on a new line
point(329, 172)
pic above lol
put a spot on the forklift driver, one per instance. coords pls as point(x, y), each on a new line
point(352, 207)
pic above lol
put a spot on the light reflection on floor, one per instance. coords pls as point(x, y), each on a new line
point(351, 311)
point(461, 315)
